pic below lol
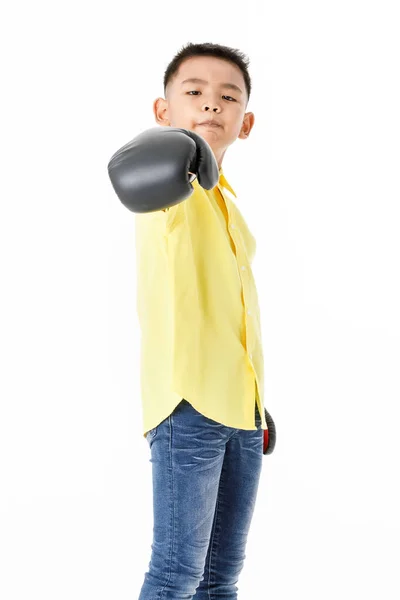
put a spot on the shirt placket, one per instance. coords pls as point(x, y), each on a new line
point(243, 268)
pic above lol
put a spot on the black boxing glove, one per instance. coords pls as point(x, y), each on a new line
point(269, 440)
point(154, 171)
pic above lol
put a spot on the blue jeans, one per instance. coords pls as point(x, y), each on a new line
point(205, 481)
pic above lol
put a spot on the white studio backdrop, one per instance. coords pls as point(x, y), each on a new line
point(318, 183)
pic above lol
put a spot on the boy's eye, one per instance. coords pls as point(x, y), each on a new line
point(197, 92)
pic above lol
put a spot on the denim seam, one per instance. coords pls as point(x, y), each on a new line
point(214, 534)
point(172, 520)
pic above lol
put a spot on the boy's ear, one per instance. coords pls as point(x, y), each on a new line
point(160, 110)
point(248, 122)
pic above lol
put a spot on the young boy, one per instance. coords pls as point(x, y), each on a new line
point(201, 360)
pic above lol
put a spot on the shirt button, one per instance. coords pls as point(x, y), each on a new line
point(243, 268)
point(249, 312)
point(232, 226)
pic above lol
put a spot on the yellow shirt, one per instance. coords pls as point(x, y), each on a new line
point(198, 310)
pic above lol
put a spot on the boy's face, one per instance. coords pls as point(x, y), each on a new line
point(188, 104)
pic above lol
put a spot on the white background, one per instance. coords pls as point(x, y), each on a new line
point(318, 183)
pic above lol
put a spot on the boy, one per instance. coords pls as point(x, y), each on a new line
point(201, 362)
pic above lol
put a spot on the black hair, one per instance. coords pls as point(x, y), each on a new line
point(208, 49)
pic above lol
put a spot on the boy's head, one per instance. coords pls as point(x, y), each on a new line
point(186, 105)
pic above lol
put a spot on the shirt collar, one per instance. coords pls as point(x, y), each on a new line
point(222, 181)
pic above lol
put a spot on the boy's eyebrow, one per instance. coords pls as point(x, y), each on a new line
point(231, 86)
